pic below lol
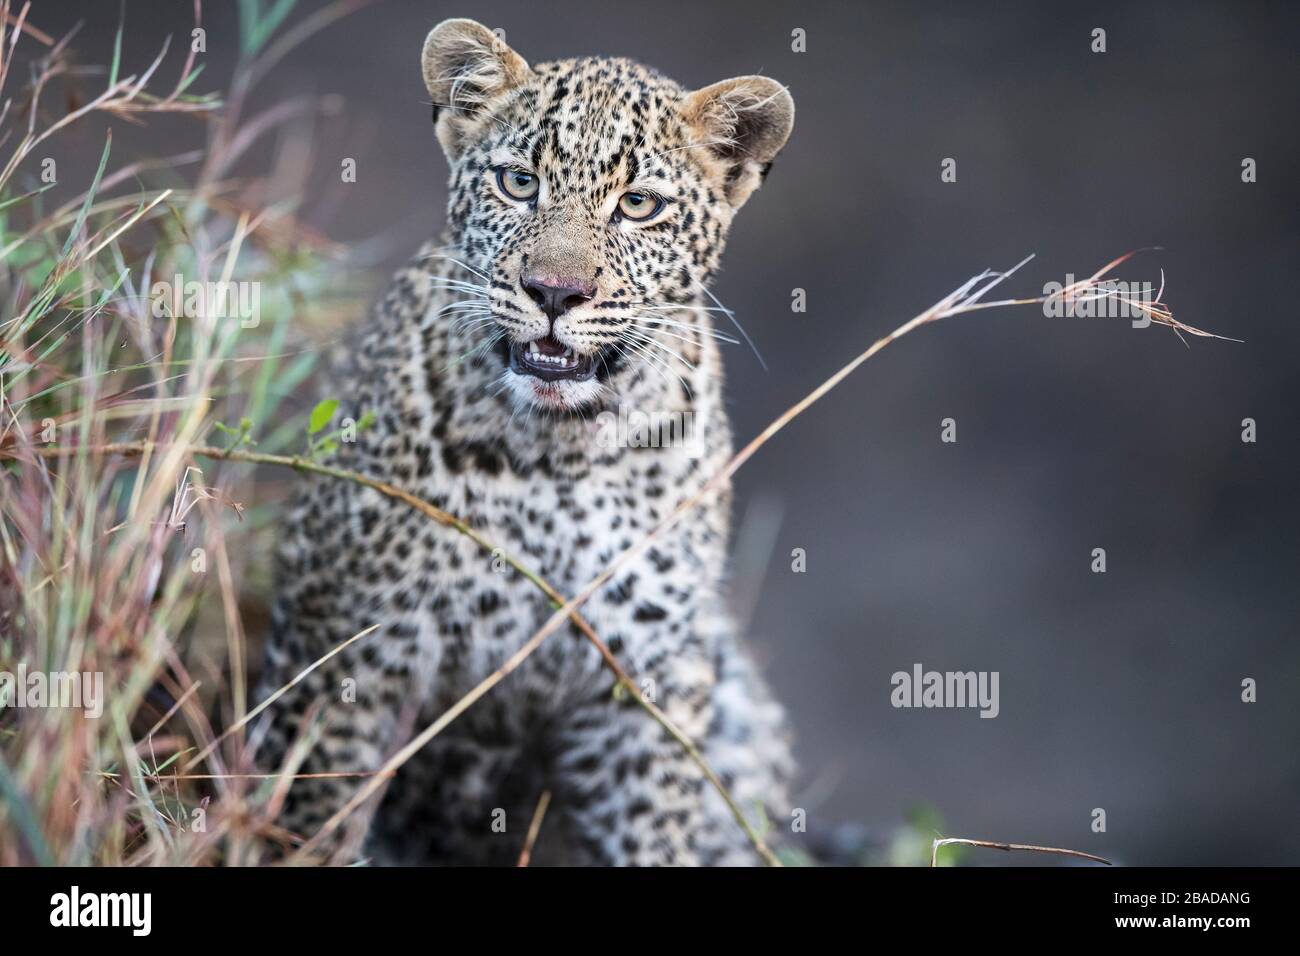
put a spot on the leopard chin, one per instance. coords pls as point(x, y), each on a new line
point(562, 394)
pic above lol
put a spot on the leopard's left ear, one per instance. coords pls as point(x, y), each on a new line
point(743, 122)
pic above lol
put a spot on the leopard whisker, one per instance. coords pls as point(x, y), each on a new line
point(459, 286)
point(459, 305)
point(690, 308)
point(464, 315)
point(625, 346)
point(734, 321)
point(473, 326)
point(646, 321)
point(650, 340)
point(645, 353)
point(471, 321)
point(477, 350)
point(662, 331)
point(453, 259)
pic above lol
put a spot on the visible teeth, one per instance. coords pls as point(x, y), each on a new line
point(536, 355)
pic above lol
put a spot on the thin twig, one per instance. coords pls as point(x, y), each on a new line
point(934, 850)
point(323, 775)
point(534, 827)
point(27, 28)
point(301, 675)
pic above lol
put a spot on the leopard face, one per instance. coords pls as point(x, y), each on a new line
point(590, 202)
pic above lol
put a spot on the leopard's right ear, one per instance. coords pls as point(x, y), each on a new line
point(465, 67)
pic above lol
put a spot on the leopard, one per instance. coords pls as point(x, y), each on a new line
point(589, 203)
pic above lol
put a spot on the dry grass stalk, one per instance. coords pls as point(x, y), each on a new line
point(989, 844)
point(534, 828)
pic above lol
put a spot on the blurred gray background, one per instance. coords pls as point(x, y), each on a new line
point(1118, 690)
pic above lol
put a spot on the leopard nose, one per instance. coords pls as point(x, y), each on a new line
point(557, 296)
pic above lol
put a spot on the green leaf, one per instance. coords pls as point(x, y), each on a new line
point(117, 52)
point(321, 415)
point(257, 23)
point(193, 75)
point(367, 419)
point(23, 198)
point(22, 816)
point(90, 196)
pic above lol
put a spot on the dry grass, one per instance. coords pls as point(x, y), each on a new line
point(99, 551)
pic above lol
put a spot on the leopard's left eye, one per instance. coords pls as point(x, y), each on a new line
point(639, 207)
point(517, 184)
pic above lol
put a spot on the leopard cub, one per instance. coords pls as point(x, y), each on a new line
point(590, 200)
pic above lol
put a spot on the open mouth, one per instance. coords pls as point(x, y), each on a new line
point(550, 360)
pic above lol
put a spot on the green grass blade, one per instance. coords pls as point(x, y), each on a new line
point(20, 811)
point(90, 196)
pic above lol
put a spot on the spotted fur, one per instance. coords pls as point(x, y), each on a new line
point(521, 460)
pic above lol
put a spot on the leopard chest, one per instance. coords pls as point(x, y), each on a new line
point(478, 609)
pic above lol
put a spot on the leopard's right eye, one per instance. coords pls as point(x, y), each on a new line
point(517, 184)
